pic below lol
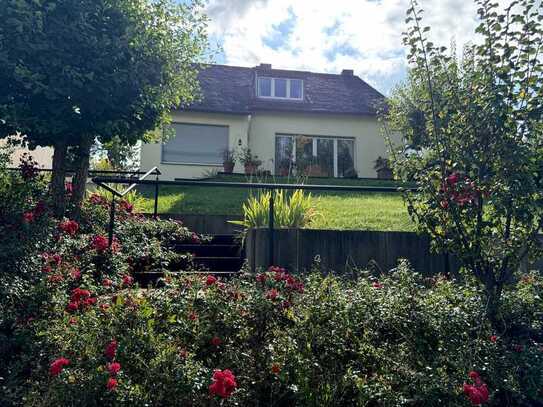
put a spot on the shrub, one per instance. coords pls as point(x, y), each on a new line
point(294, 210)
point(285, 340)
point(473, 129)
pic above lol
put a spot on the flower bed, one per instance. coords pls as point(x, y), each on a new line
point(76, 330)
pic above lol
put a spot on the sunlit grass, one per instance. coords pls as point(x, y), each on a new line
point(362, 211)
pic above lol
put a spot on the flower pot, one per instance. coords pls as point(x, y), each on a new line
point(250, 169)
point(228, 167)
point(384, 173)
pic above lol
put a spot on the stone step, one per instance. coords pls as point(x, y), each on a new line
point(213, 250)
point(216, 263)
point(151, 278)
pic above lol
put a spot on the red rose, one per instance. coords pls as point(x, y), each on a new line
point(272, 294)
point(493, 338)
point(193, 316)
point(211, 280)
point(46, 269)
point(195, 238)
point(56, 259)
point(75, 274)
point(73, 306)
point(69, 187)
point(275, 368)
point(114, 368)
point(69, 227)
point(126, 206)
point(477, 392)
point(97, 199)
point(79, 294)
point(444, 204)
point(111, 384)
point(57, 366)
point(106, 282)
point(28, 217)
point(100, 243)
point(377, 284)
point(216, 341)
point(260, 277)
point(224, 383)
point(183, 353)
point(111, 349)
point(128, 280)
point(72, 321)
point(453, 178)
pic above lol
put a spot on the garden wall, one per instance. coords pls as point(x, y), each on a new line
point(341, 251)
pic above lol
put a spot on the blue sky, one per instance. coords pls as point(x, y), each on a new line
point(328, 36)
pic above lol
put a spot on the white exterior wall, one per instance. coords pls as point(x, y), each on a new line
point(42, 155)
point(259, 130)
point(151, 154)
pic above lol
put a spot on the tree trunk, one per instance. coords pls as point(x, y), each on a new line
point(81, 175)
point(493, 297)
point(58, 177)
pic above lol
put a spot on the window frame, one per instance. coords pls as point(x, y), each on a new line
point(272, 96)
point(314, 142)
point(162, 144)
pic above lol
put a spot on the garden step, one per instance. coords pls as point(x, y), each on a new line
point(220, 263)
point(213, 250)
point(151, 278)
point(225, 239)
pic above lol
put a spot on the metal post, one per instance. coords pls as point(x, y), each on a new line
point(155, 211)
point(271, 229)
point(111, 221)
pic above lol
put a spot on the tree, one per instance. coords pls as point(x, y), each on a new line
point(76, 71)
point(477, 125)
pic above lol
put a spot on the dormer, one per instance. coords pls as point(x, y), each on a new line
point(270, 86)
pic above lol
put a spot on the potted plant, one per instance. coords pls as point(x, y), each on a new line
point(228, 160)
point(285, 167)
point(382, 166)
point(249, 161)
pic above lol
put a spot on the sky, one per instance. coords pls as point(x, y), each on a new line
point(332, 35)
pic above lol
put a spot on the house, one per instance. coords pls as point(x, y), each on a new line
point(294, 122)
point(42, 155)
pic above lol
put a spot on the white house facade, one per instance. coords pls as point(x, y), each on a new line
point(292, 122)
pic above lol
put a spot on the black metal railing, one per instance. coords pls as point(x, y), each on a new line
point(101, 181)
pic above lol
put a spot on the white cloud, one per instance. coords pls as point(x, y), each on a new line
point(372, 28)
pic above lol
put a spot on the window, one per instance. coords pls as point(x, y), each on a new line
point(265, 87)
point(280, 88)
point(196, 144)
point(296, 88)
point(314, 156)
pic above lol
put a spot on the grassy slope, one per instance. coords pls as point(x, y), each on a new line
point(338, 210)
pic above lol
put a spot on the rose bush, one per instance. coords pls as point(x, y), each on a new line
point(316, 341)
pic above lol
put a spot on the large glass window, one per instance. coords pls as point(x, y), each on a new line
point(345, 158)
point(314, 156)
point(196, 144)
point(284, 158)
point(280, 88)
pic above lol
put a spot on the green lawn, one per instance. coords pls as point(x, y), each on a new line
point(337, 210)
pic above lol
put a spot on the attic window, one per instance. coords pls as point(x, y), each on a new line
point(280, 88)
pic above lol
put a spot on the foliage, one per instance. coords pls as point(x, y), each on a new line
point(115, 155)
point(73, 71)
point(291, 210)
point(246, 157)
point(476, 124)
point(284, 340)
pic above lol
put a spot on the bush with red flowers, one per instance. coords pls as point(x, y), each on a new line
point(338, 341)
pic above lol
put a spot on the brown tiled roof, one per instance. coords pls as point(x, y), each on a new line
point(231, 89)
